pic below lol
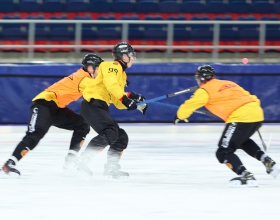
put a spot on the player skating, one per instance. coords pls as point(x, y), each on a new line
point(243, 116)
point(49, 108)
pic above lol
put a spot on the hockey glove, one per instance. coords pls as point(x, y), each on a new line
point(176, 120)
point(136, 97)
point(142, 108)
point(129, 103)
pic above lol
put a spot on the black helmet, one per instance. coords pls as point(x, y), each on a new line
point(91, 59)
point(204, 73)
point(123, 48)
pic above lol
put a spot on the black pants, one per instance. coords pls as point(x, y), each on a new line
point(44, 114)
point(237, 136)
point(97, 115)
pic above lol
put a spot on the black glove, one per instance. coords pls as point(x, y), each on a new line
point(176, 120)
point(136, 97)
point(129, 103)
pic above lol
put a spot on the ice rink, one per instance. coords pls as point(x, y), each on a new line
point(174, 174)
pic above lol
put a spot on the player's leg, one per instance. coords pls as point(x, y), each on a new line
point(112, 167)
point(40, 121)
point(252, 149)
point(70, 120)
point(232, 138)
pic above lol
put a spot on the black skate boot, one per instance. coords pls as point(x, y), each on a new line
point(246, 179)
point(9, 171)
point(271, 167)
point(112, 171)
point(81, 166)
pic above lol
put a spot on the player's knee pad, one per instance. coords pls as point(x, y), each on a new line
point(222, 153)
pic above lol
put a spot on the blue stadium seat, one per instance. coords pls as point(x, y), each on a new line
point(181, 37)
point(135, 37)
point(155, 36)
point(86, 17)
point(197, 26)
point(53, 6)
point(272, 39)
point(77, 6)
point(240, 7)
point(108, 36)
point(89, 36)
point(29, 6)
point(193, 7)
point(134, 17)
point(202, 36)
point(248, 37)
point(249, 18)
point(14, 36)
point(178, 18)
point(273, 18)
point(59, 25)
point(277, 7)
point(61, 36)
point(217, 7)
point(107, 25)
point(39, 17)
point(11, 25)
point(154, 18)
point(228, 36)
point(41, 38)
point(262, 7)
point(147, 7)
point(101, 6)
point(123, 6)
point(225, 18)
point(169, 7)
point(8, 6)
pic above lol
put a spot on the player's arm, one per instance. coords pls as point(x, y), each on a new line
point(198, 100)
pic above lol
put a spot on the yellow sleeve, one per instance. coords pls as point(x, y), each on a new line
point(85, 81)
point(198, 100)
point(255, 98)
point(110, 79)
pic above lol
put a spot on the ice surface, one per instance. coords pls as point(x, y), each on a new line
point(174, 175)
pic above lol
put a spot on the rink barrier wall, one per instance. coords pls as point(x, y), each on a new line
point(19, 83)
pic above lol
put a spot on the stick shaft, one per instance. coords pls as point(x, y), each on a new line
point(263, 144)
point(191, 89)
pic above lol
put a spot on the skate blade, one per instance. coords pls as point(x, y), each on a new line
point(76, 171)
point(238, 184)
point(275, 171)
point(11, 175)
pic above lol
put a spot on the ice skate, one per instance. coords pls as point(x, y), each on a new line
point(112, 171)
point(246, 180)
point(271, 167)
point(80, 166)
point(8, 170)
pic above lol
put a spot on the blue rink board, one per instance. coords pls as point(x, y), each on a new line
point(19, 83)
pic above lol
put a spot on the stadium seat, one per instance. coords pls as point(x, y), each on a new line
point(249, 18)
point(53, 6)
point(41, 38)
point(178, 18)
point(135, 37)
point(8, 6)
point(155, 36)
point(108, 36)
point(239, 7)
point(225, 18)
point(61, 36)
point(272, 39)
point(134, 17)
point(201, 36)
point(154, 18)
point(89, 37)
point(77, 6)
point(248, 37)
point(228, 36)
point(13, 36)
point(12, 25)
point(197, 26)
point(193, 7)
point(59, 25)
point(147, 7)
point(277, 7)
point(107, 25)
point(123, 6)
point(262, 7)
point(169, 7)
point(181, 37)
point(100, 6)
point(86, 17)
point(217, 7)
point(29, 6)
